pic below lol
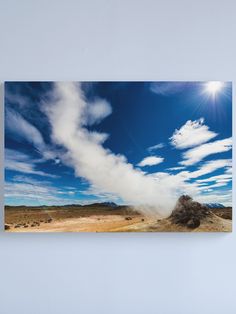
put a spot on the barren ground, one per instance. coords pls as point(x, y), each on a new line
point(102, 219)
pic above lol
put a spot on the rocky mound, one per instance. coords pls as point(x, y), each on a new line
point(189, 213)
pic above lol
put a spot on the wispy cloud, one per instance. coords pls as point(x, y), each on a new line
point(21, 162)
point(218, 178)
point(97, 111)
point(218, 185)
point(27, 189)
point(150, 161)
point(155, 147)
point(167, 88)
point(20, 128)
point(101, 195)
point(191, 134)
point(183, 179)
point(196, 154)
point(206, 168)
point(17, 98)
point(176, 168)
point(224, 198)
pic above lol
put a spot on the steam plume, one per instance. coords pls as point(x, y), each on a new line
point(69, 114)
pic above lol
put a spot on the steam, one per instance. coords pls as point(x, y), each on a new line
point(69, 114)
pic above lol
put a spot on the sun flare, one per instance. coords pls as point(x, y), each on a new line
point(214, 87)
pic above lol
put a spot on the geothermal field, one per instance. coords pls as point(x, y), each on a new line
point(118, 156)
point(187, 216)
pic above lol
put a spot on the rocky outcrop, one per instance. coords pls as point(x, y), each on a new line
point(189, 213)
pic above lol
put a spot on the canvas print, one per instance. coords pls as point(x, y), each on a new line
point(118, 156)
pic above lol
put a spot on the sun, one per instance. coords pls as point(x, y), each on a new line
point(214, 87)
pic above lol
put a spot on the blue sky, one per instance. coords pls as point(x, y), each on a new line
point(127, 142)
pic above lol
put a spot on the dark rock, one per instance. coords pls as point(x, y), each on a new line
point(188, 213)
point(128, 218)
point(193, 223)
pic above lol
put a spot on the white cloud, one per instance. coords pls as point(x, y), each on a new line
point(26, 189)
point(20, 162)
point(66, 192)
point(150, 161)
point(19, 127)
point(206, 168)
point(184, 184)
point(157, 146)
point(17, 98)
point(218, 184)
point(222, 198)
point(229, 170)
point(216, 178)
point(176, 168)
point(97, 111)
point(30, 189)
point(108, 172)
point(191, 134)
point(100, 194)
point(198, 153)
point(27, 179)
point(207, 190)
point(167, 88)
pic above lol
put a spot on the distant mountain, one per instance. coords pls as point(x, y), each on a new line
point(214, 205)
point(108, 204)
point(111, 204)
point(102, 204)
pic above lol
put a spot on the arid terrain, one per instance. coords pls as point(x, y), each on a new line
point(108, 218)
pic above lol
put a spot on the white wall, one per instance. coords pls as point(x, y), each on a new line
point(117, 40)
